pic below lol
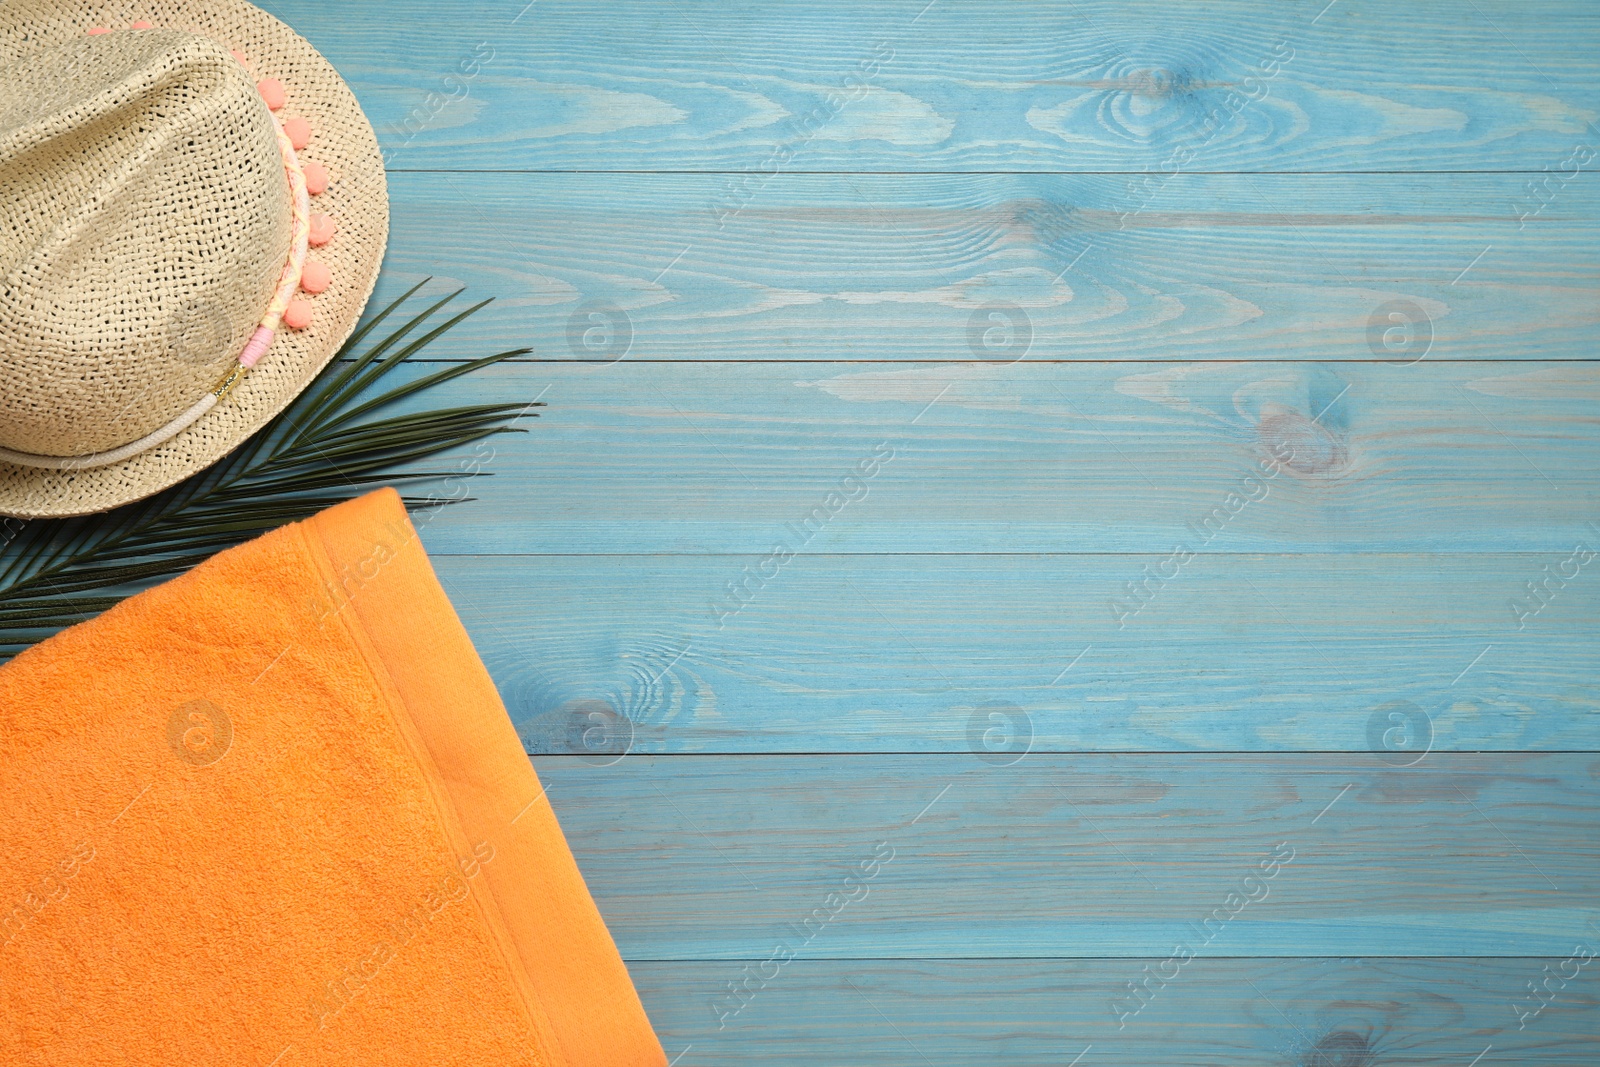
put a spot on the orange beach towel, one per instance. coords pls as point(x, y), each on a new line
point(273, 814)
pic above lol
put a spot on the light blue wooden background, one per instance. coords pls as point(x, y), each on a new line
point(793, 215)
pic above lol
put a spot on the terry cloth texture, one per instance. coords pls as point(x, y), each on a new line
point(274, 813)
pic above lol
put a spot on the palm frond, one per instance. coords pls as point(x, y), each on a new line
point(326, 447)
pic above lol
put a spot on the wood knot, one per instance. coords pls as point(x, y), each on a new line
point(1341, 1048)
point(591, 728)
point(1301, 444)
point(1050, 221)
point(1156, 83)
point(596, 733)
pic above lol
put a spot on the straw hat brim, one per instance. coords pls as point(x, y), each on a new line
point(356, 198)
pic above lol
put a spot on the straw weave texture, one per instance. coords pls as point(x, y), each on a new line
point(144, 219)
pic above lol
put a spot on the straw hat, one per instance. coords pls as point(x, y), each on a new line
point(192, 216)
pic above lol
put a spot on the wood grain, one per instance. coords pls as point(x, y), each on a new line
point(904, 85)
point(709, 458)
point(1222, 1013)
point(1080, 267)
point(911, 267)
point(1462, 854)
point(886, 653)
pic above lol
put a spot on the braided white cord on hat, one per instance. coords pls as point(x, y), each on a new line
point(116, 455)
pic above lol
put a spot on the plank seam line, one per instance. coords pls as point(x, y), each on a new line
point(1045, 959)
point(903, 363)
point(946, 173)
point(1362, 554)
point(1275, 753)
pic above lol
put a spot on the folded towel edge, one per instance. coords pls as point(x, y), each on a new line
point(580, 999)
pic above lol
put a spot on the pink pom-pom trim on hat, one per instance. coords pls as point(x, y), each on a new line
point(316, 277)
point(316, 178)
point(322, 229)
point(297, 316)
point(289, 282)
point(299, 131)
point(271, 90)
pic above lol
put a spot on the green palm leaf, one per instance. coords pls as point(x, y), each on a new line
point(326, 447)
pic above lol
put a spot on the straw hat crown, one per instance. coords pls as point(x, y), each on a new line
point(144, 222)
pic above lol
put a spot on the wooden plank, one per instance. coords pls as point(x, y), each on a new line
point(1078, 793)
point(1078, 267)
point(1036, 457)
point(1218, 1013)
point(886, 653)
point(906, 85)
point(1133, 855)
